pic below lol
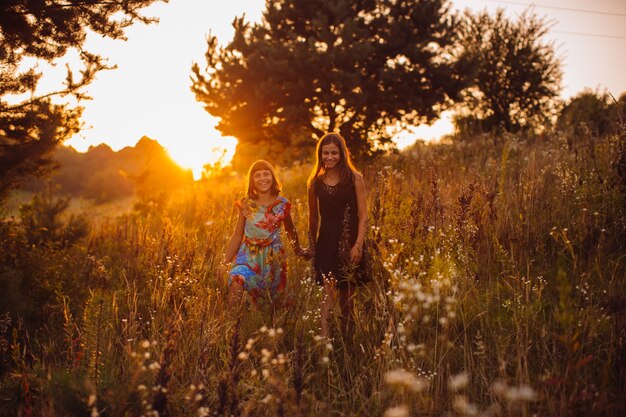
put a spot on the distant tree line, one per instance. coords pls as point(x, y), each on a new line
point(102, 175)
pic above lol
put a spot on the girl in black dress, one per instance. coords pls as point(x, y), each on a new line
point(337, 222)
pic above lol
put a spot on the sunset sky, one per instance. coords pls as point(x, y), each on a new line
point(149, 92)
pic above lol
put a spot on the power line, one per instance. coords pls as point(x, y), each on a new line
point(597, 35)
point(543, 6)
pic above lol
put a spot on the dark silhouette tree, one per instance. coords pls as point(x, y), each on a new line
point(357, 67)
point(45, 221)
point(586, 114)
point(515, 75)
point(46, 30)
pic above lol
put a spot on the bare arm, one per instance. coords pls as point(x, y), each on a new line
point(313, 217)
point(361, 202)
point(292, 234)
point(235, 240)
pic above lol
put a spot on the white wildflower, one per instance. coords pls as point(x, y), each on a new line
point(398, 411)
point(401, 377)
point(462, 406)
point(459, 381)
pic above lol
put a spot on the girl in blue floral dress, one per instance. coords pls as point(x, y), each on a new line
point(256, 246)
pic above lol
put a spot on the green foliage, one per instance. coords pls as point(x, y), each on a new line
point(515, 77)
point(42, 220)
point(352, 66)
point(31, 129)
point(28, 136)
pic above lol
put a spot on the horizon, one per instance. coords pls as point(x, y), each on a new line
point(126, 104)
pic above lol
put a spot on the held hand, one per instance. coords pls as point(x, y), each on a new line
point(306, 253)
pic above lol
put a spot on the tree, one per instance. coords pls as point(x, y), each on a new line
point(45, 222)
point(515, 76)
point(587, 114)
point(38, 30)
point(357, 67)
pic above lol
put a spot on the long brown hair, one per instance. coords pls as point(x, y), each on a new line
point(260, 165)
point(345, 166)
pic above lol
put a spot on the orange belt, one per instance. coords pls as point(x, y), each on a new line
point(258, 242)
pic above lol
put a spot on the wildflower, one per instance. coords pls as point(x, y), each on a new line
point(398, 411)
point(271, 333)
point(141, 387)
point(514, 394)
point(266, 355)
point(203, 412)
point(145, 344)
point(267, 398)
point(458, 382)
point(462, 406)
point(401, 377)
point(92, 400)
point(249, 344)
point(521, 393)
point(242, 356)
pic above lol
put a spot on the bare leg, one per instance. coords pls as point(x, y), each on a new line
point(346, 298)
point(235, 297)
point(328, 302)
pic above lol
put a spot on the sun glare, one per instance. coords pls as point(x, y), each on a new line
point(443, 126)
point(196, 155)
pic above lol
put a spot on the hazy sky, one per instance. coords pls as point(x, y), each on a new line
point(149, 92)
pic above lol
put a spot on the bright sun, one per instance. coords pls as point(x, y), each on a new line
point(195, 155)
point(193, 143)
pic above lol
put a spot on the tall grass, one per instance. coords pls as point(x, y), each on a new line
point(498, 290)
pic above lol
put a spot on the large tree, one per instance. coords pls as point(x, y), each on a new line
point(36, 30)
point(516, 74)
point(357, 67)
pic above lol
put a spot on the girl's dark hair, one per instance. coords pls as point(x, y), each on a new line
point(345, 166)
point(261, 165)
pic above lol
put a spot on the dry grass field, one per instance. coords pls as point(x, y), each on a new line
point(499, 290)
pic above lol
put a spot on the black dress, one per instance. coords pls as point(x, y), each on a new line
point(337, 234)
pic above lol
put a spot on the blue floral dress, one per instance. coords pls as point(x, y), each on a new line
point(260, 265)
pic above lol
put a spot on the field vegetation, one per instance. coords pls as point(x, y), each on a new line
point(498, 290)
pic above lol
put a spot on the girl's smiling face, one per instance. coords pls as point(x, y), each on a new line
point(262, 181)
point(331, 155)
